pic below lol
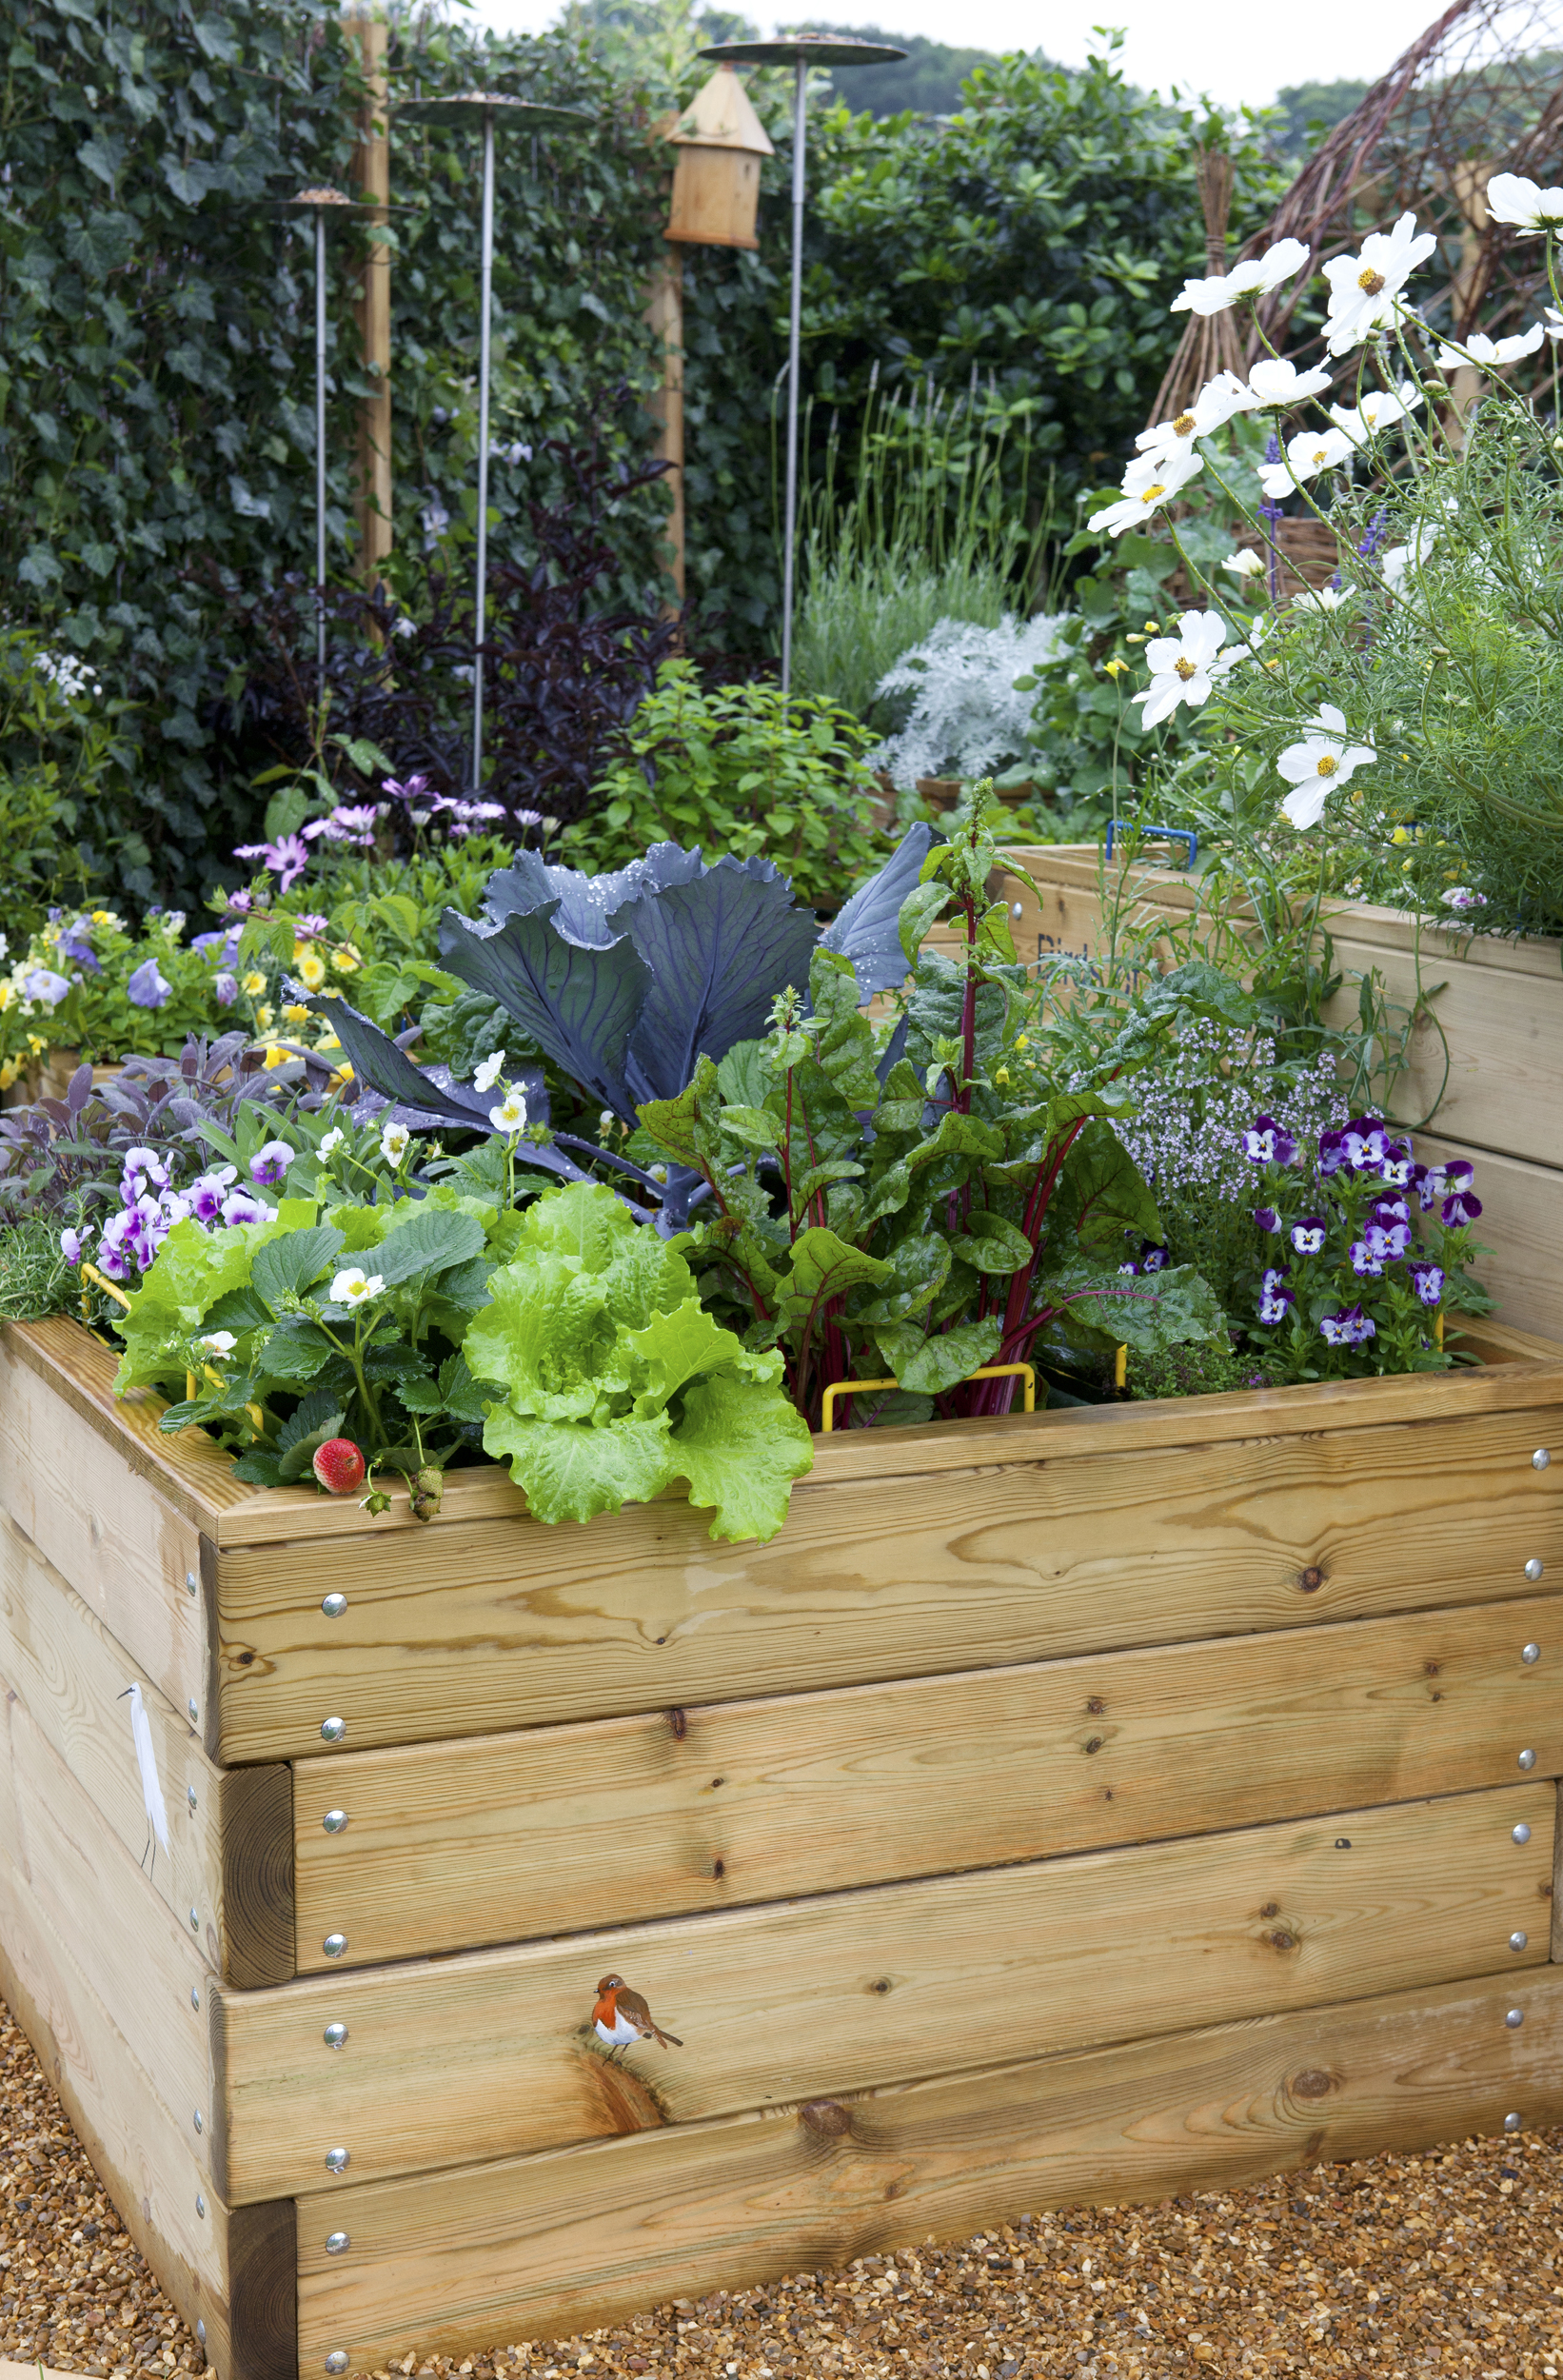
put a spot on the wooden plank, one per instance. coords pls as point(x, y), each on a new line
point(149, 1972)
point(1016, 1562)
point(487, 2055)
point(75, 1489)
point(1557, 1885)
point(229, 1854)
point(499, 1837)
point(1522, 1222)
point(565, 2241)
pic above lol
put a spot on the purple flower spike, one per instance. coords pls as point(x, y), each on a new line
point(1428, 1281)
point(1460, 1207)
point(1308, 1234)
point(148, 988)
point(1267, 1219)
point(1268, 1143)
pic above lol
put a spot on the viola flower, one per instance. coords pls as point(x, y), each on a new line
point(393, 1143)
point(511, 1116)
point(1274, 382)
point(1398, 1168)
point(239, 1207)
point(1153, 1259)
point(1347, 1328)
point(1129, 1268)
point(335, 1140)
point(1387, 1240)
point(1459, 1208)
point(1267, 1219)
point(1266, 1143)
point(1307, 454)
point(1314, 767)
point(1365, 289)
point(143, 1170)
point(1148, 484)
point(268, 1166)
point(1428, 1281)
point(1255, 278)
point(1460, 897)
point(1490, 354)
point(1364, 1262)
point(1367, 1144)
point(1513, 199)
point(1332, 1152)
point(114, 1255)
point(74, 1243)
point(1308, 1234)
point(354, 1287)
point(490, 1071)
point(1275, 1297)
point(206, 1194)
point(1183, 668)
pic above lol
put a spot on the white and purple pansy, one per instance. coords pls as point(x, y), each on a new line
point(1153, 1259)
point(1308, 1234)
point(1397, 1168)
point(1366, 1143)
point(1274, 1296)
point(269, 1164)
point(1267, 1219)
point(1332, 1152)
point(1428, 1281)
point(1367, 1261)
point(1347, 1328)
point(1268, 1143)
point(239, 1207)
point(1460, 1207)
point(206, 1193)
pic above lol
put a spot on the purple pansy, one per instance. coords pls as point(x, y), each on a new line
point(1274, 1296)
point(206, 1194)
point(1459, 1208)
point(1428, 1281)
point(1396, 1168)
point(143, 1170)
point(1267, 1219)
point(1366, 1262)
point(1153, 1259)
point(1388, 1239)
point(1308, 1234)
point(149, 988)
point(225, 990)
point(239, 1207)
point(74, 1243)
point(1366, 1145)
point(268, 1166)
point(1347, 1328)
point(1268, 1143)
point(1332, 1152)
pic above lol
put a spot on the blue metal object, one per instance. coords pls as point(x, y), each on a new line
point(1161, 834)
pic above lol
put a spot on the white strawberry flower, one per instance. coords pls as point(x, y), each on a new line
point(354, 1287)
point(1183, 668)
point(218, 1342)
point(1513, 198)
point(335, 1140)
point(1148, 484)
point(489, 1073)
point(1314, 767)
point(393, 1143)
point(510, 1115)
point(1276, 382)
point(1491, 354)
point(1307, 454)
point(1365, 289)
point(1253, 279)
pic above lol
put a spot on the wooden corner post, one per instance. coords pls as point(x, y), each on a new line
point(666, 315)
point(372, 176)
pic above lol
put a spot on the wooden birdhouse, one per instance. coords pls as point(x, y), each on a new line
point(716, 181)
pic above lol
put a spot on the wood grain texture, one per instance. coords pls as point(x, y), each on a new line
point(75, 1491)
point(1522, 1223)
point(486, 1626)
point(487, 2055)
point(136, 1959)
point(1557, 1885)
point(263, 2256)
point(257, 1927)
point(563, 2242)
point(502, 1837)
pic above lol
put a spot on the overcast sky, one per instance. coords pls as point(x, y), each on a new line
point(1230, 48)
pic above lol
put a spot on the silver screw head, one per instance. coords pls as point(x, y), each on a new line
point(337, 2243)
point(1530, 1653)
point(1517, 1940)
point(334, 1945)
point(201, 2333)
point(333, 1605)
point(334, 1730)
point(195, 1921)
point(199, 2121)
point(195, 1995)
point(1527, 1758)
point(335, 1821)
point(190, 1795)
point(335, 2036)
point(1522, 1832)
point(337, 2160)
point(1541, 1460)
point(1511, 2123)
point(1534, 1567)
point(200, 2204)
point(1514, 2018)
point(193, 1711)
point(190, 1583)
point(337, 2360)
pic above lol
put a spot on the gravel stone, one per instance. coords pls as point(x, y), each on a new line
point(1448, 2265)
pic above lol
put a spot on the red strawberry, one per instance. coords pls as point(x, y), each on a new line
point(340, 1466)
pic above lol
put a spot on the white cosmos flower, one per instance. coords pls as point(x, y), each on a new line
point(1314, 767)
point(219, 1342)
point(333, 1141)
point(1379, 410)
point(393, 1143)
point(489, 1073)
point(1394, 564)
point(1476, 348)
point(1218, 401)
point(1274, 381)
point(510, 1115)
point(1184, 666)
point(1365, 289)
point(1310, 452)
point(1512, 199)
point(1318, 599)
point(1255, 278)
point(1151, 481)
point(355, 1287)
point(1244, 564)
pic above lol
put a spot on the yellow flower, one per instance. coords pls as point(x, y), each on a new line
point(274, 1057)
point(37, 1044)
point(252, 985)
point(295, 1013)
point(346, 960)
point(7, 993)
point(344, 1074)
point(1022, 1040)
point(104, 917)
point(266, 1017)
point(328, 1041)
point(312, 968)
point(1114, 668)
point(1401, 834)
point(1001, 1075)
point(10, 1069)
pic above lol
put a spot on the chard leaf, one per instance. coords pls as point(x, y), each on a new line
point(740, 1445)
point(918, 912)
point(1146, 1311)
point(752, 1127)
point(991, 1245)
point(825, 1267)
point(743, 1077)
point(928, 1365)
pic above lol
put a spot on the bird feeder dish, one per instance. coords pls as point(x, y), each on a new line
point(715, 180)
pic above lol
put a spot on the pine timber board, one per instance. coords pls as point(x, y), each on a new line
point(234, 2270)
point(576, 2238)
point(486, 2055)
point(1012, 1562)
point(229, 1854)
point(1522, 1222)
point(552, 1830)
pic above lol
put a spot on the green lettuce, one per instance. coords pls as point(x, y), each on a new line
point(617, 1382)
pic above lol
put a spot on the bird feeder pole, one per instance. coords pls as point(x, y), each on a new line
point(372, 174)
point(800, 53)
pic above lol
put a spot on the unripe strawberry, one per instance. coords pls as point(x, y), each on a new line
point(340, 1466)
point(427, 1488)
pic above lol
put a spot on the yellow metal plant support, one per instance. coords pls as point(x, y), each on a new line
point(989, 1371)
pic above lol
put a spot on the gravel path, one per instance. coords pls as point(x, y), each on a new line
point(1449, 2264)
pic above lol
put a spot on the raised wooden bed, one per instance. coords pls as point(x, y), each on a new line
point(1088, 1805)
point(1499, 1004)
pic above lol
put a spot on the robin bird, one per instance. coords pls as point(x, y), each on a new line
point(621, 2016)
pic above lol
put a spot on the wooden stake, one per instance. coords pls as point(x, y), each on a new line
point(666, 314)
point(372, 309)
point(1468, 286)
